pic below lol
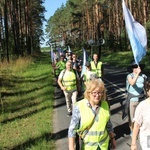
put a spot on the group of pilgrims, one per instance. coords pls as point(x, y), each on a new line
point(84, 71)
point(74, 77)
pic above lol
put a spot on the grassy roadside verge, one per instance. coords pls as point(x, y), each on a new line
point(124, 59)
point(26, 104)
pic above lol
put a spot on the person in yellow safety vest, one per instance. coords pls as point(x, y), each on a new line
point(61, 65)
point(97, 66)
point(58, 66)
point(91, 120)
point(88, 74)
point(68, 82)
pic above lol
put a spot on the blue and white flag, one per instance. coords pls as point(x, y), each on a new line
point(52, 55)
point(84, 61)
point(136, 33)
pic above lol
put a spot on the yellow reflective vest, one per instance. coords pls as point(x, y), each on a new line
point(97, 69)
point(69, 80)
point(97, 135)
point(62, 65)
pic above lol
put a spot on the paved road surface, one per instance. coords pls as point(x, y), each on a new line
point(115, 85)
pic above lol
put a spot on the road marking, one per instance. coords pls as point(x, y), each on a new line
point(121, 89)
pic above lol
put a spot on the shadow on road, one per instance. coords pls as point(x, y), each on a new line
point(60, 135)
point(122, 130)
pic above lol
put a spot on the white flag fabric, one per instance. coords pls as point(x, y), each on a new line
point(52, 55)
point(84, 61)
point(69, 50)
point(136, 33)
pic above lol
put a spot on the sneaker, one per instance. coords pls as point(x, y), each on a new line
point(69, 114)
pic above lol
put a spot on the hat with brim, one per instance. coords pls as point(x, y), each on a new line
point(132, 66)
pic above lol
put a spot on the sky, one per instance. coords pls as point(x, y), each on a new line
point(51, 6)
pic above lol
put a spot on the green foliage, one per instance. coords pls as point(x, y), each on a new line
point(82, 20)
point(148, 33)
point(58, 23)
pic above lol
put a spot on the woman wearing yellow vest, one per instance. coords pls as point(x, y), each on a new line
point(91, 120)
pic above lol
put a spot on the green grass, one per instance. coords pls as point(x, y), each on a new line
point(124, 59)
point(27, 105)
point(45, 49)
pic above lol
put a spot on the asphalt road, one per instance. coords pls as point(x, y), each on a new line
point(114, 80)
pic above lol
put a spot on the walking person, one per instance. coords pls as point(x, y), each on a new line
point(142, 123)
point(68, 82)
point(88, 74)
point(61, 63)
point(91, 120)
point(58, 67)
point(97, 66)
point(74, 62)
point(135, 84)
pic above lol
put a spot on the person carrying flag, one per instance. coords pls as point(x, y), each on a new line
point(135, 79)
point(135, 86)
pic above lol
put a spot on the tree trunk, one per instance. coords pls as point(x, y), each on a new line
point(6, 30)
